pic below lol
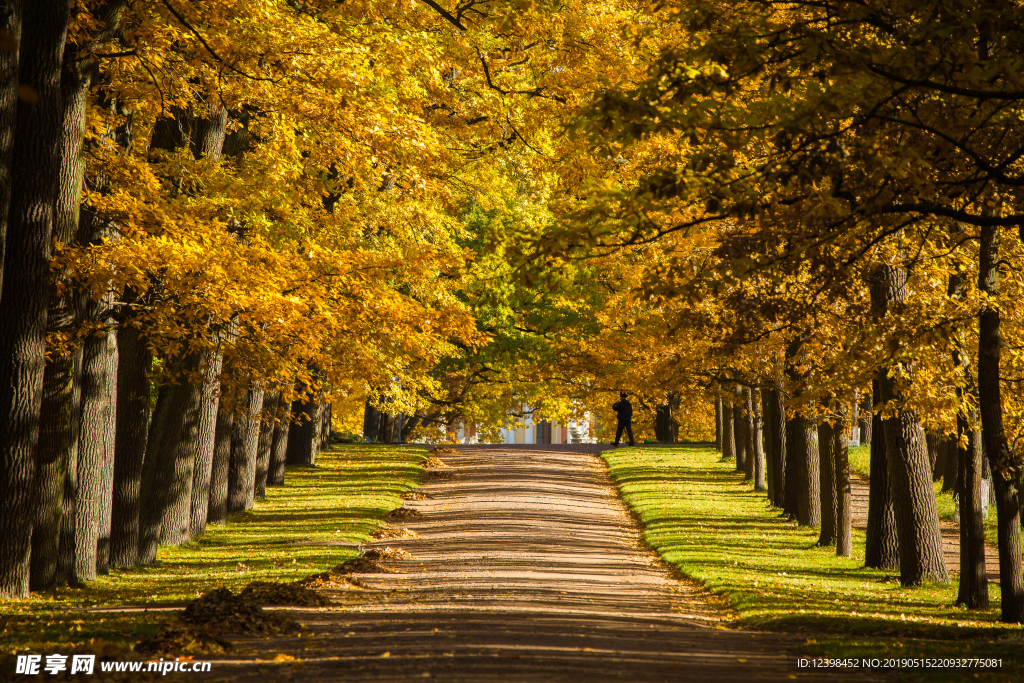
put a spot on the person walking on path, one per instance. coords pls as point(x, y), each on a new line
point(624, 409)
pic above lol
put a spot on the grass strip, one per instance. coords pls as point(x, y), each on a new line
point(702, 518)
point(860, 463)
point(314, 522)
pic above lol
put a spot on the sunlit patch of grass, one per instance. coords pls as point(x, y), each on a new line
point(702, 519)
point(312, 523)
point(860, 462)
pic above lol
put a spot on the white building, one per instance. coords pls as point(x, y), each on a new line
point(542, 432)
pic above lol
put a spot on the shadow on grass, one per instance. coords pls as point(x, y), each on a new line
point(340, 500)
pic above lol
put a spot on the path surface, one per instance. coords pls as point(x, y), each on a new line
point(527, 567)
point(950, 531)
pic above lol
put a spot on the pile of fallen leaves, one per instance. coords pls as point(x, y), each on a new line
point(403, 513)
point(442, 450)
point(433, 463)
point(391, 532)
point(175, 638)
point(361, 565)
point(415, 495)
point(269, 593)
point(388, 553)
point(333, 580)
point(218, 612)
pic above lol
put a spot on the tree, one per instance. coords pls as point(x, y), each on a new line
point(24, 296)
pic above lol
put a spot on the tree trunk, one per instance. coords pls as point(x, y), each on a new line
point(973, 590)
point(92, 454)
point(828, 435)
point(109, 436)
point(325, 428)
point(778, 449)
point(220, 469)
point(35, 166)
point(854, 419)
point(757, 469)
point(59, 413)
point(58, 446)
point(244, 446)
point(739, 420)
point(10, 24)
point(940, 458)
point(1004, 465)
point(844, 499)
point(933, 440)
point(183, 449)
point(279, 450)
point(767, 438)
point(917, 518)
point(170, 458)
point(792, 483)
point(805, 450)
point(718, 423)
point(266, 443)
point(881, 549)
point(949, 473)
point(867, 422)
point(202, 472)
point(728, 433)
point(132, 428)
point(302, 433)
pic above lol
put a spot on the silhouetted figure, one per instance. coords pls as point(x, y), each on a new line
point(624, 409)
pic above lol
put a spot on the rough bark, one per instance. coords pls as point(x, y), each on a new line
point(881, 549)
point(207, 441)
point(917, 517)
point(10, 25)
point(109, 437)
point(1003, 463)
point(92, 455)
point(325, 427)
point(718, 423)
point(766, 431)
point(940, 459)
point(949, 472)
point(792, 482)
point(778, 450)
point(34, 169)
point(302, 433)
point(170, 457)
point(183, 451)
point(867, 421)
point(805, 451)
point(973, 589)
point(844, 499)
point(217, 506)
point(266, 443)
point(58, 446)
point(933, 440)
point(132, 429)
point(827, 437)
point(279, 450)
point(728, 433)
point(739, 420)
point(244, 445)
point(756, 467)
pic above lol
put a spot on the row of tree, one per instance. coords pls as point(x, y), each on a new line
point(809, 199)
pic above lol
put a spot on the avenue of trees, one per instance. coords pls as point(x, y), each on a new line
point(218, 215)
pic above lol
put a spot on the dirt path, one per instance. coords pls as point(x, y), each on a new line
point(527, 567)
point(950, 531)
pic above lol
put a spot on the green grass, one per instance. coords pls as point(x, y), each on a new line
point(702, 519)
point(340, 500)
point(860, 463)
